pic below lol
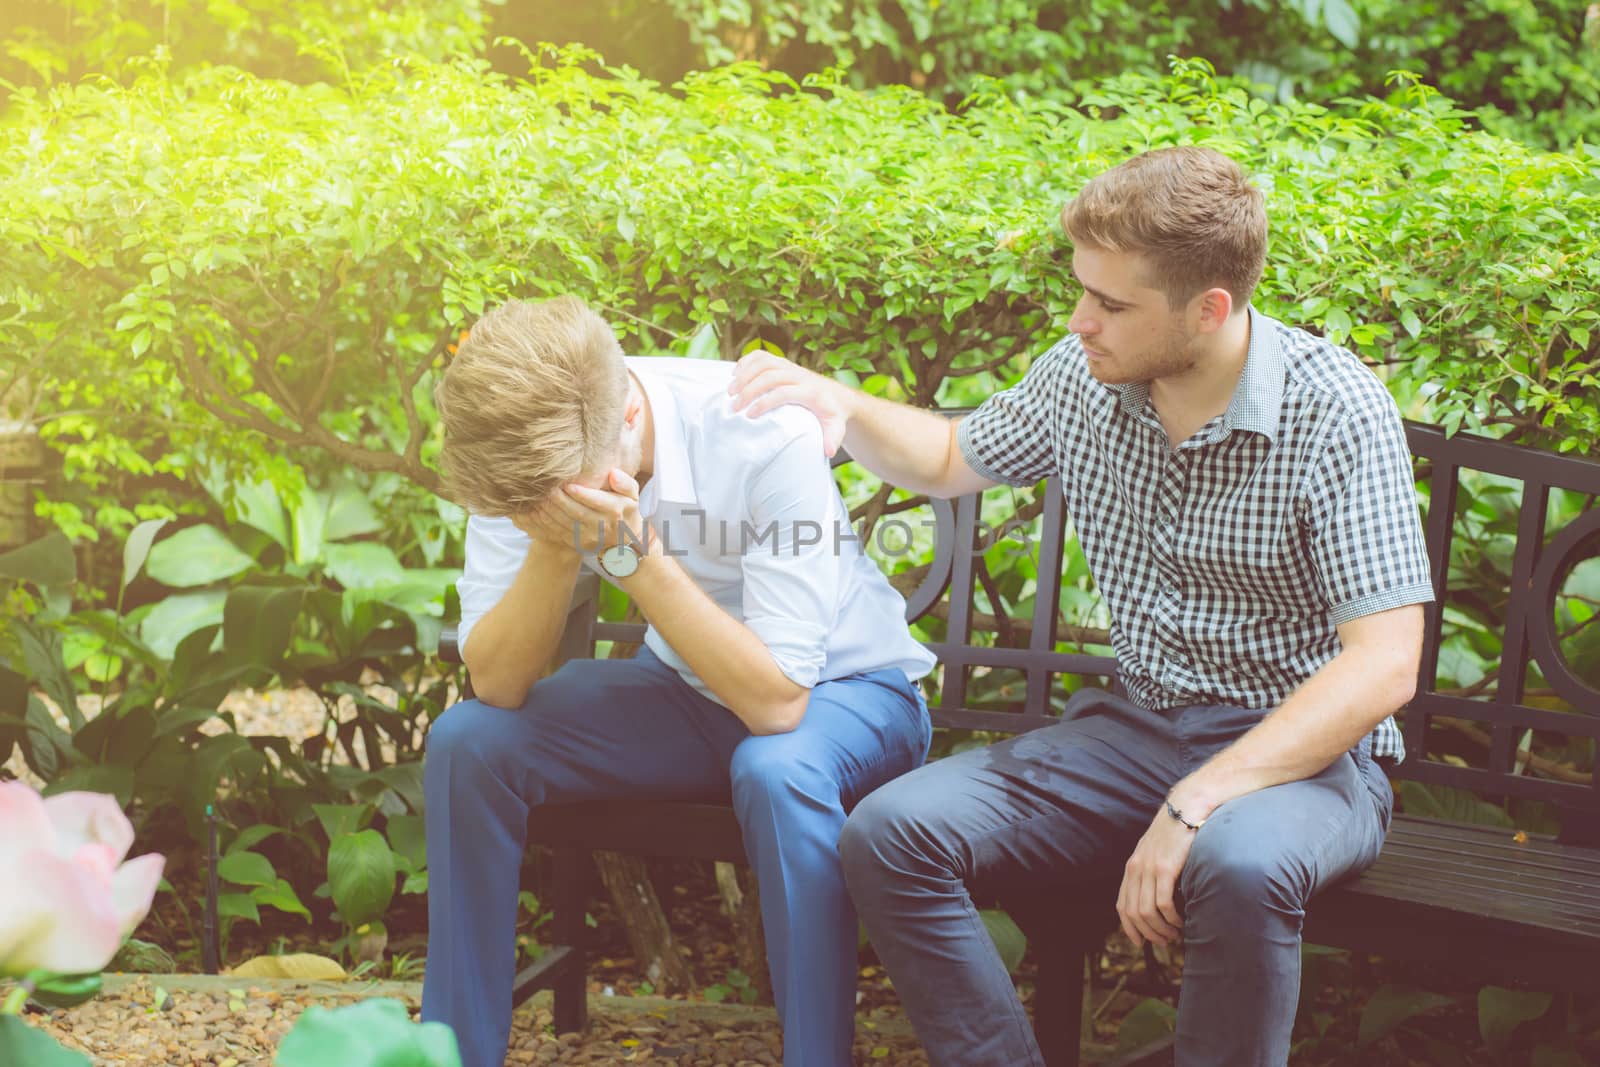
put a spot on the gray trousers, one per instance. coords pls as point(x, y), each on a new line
point(1065, 805)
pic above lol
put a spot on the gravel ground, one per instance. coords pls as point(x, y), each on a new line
point(226, 1022)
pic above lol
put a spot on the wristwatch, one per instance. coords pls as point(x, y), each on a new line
point(619, 561)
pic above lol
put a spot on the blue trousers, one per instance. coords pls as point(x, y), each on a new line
point(1065, 805)
point(633, 729)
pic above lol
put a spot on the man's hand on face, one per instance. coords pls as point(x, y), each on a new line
point(608, 515)
point(1145, 902)
point(763, 381)
point(548, 526)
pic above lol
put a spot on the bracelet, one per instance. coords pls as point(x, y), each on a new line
point(1176, 814)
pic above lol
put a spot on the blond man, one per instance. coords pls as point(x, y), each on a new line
point(1242, 492)
point(777, 671)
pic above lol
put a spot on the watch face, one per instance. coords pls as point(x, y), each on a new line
point(619, 561)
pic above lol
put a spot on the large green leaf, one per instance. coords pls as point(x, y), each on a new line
point(307, 523)
point(247, 868)
point(258, 621)
point(1150, 1021)
point(1501, 1011)
point(196, 555)
point(364, 565)
point(340, 819)
point(1392, 1005)
point(1007, 937)
point(350, 514)
point(260, 506)
point(47, 561)
point(372, 1033)
point(281, 895)
point(361, 873)
point(113, 780)
point(172, 620)
point(408, 838)
point(28, 1046)
point(1452, 804)
point(46, 746)
point(137, 549)
point(43, 657)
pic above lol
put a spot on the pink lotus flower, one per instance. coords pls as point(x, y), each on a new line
point(67, 901)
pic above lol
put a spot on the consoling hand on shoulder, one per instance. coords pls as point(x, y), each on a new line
point(763, 381)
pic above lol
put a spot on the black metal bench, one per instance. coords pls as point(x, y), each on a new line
point(1523, 908)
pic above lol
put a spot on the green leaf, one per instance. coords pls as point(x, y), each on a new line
point(1392, 1005)
point(350, 514)
point(340, 819)
point(1342, 21)
point(258, 621)
point(703, 345)
point(407, 837)
point(281, 895)
point(1501, 1011)
point(251, 836)
point(21, 1043)
point(307, 522)
point(173, 619)
point(197, 555)
point(47, 561)
point(67, 990)
point(247, 868)
point(1150, 1021)
point(364, 565)
point(361, 875)
point(1451, 804)
point(260, 506)
point(372, 1033)
point(137, 548)
point(1007, 937)
point(238, 906)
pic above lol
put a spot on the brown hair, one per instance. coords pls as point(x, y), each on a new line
point(533, 398)
point(1191, 212)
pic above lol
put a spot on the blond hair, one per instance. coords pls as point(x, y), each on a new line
point(533, 398)
point(1189, 211)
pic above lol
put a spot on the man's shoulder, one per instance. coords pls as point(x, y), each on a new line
point(1330, 375)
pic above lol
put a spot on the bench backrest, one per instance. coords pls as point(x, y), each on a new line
point(1497, 711)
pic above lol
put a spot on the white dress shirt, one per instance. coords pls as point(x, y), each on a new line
point(750, 510)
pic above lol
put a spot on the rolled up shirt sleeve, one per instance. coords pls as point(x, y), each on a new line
point(495, 549)
point(1365, 531)
point(1011, 437)
point(791, 578)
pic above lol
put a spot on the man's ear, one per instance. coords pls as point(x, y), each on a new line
point(1211, 310)
point(632, 410)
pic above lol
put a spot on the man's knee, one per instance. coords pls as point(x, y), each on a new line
point(470, 741)
point(774, 771)
point(1230, 876)
point(885, 836)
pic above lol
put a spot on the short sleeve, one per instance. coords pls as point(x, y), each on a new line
point(1364, 530)
point(1012, 437)
point(495, 550)
point(789, 558)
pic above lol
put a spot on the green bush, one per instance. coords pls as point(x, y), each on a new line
point(227, 269)
point(50, 40)
point(1528, 70)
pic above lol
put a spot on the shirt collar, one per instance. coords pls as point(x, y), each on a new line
point(671, 478)
point(1257, 401)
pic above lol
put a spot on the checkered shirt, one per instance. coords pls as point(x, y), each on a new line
point(1227, 562)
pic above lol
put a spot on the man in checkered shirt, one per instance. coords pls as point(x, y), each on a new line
point(1242, 491)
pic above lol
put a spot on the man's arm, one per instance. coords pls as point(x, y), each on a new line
point(1371, 678)
point(726, 654)
point(511, 645)
point(906, 446)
